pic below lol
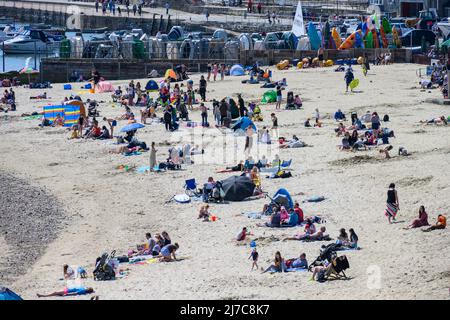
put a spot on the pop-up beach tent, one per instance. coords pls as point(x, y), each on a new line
point(151, 86)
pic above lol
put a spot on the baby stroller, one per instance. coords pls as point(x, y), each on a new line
point(103, 268)
point(327, 252)
point(92, 109)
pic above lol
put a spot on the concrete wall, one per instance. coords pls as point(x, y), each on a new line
point(59, 70)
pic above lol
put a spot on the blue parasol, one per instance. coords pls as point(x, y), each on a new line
point(132, 127)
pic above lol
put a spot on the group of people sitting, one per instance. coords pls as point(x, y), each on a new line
point(8, 100)
point(422, 221)
point(160, 246)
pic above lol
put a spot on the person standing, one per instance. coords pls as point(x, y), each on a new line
point(202, 88)
point(96, 6)
point(216, 111)
point(222, 71)
point(215, 71)
point(168, 118)
point(207, 15)
point(259, 7)
point(392, 203)
point(223, 108)
point(153, 157)
point(209, 69)
point(134, 9)
point(254, 256)
point(167, 8)
point(274, 125)
point(242, 109)
point(279, 97)
point(204, 113)
point(248, 141)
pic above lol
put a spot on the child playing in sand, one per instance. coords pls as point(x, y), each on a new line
point(386, 151)
point(254, 255)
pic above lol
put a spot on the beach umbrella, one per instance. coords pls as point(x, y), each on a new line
point(6, 294)
point(237, 188)
point(132, 127)
point(28, 71)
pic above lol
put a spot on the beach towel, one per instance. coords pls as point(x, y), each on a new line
point(145, 169)
point(296, 269)
point(134, 153)
point(391, 210)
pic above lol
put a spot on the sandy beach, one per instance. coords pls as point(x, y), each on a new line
point(95, 207)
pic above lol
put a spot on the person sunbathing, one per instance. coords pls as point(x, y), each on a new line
point(440, 224)
point(298, 263)
point(68, 292)
point(440, 121)
point(40, 96)
point(295, 142)
point(318, 269)
point(316, 236)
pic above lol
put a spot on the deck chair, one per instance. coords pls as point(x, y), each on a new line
point(286, 165)
point(336, 270)
point(190, 188)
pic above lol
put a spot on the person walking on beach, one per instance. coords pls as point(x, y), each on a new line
point(153, 152)
point(279, 97)
point(274, 125)
point(392, 203)
point(222, 71)
point(134, 9)
point(209, 69)
point(248, 141)
point(167, 8)
point(96, 6)
point(348, 78)
point(202, 88)
point(215, 71)
point(254, 256)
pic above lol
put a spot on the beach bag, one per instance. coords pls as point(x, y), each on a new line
point(321, 276)
point(340, 264)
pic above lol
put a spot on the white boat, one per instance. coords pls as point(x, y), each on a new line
point(28, 42)
point(444, 26)
point(7, 33)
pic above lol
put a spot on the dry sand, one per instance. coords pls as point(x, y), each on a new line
point(108, 209)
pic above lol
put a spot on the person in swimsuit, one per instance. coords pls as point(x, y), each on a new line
point(441, 224)
point(68, 292)
point(392, 203)
point(254, 256)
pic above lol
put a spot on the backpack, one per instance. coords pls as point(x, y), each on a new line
point(321, 276)
point(386, 118)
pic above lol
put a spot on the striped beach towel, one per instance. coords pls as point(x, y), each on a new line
point(391, 210)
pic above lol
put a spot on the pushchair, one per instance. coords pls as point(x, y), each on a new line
point(290, 101)
point(327, 252)
point(92, 109)
point(104, 270)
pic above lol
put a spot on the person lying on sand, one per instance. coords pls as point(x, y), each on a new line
point(237, 168)
point(316, 236)
point(295, 142)
point(441, 121)
point(40, 96)
point(440, 224)
point(68, 292)
point(298, 263)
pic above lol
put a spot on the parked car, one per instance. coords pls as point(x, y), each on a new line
point(413, 38)
point(402, 28)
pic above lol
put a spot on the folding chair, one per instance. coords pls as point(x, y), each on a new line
point(286, 164)
point(337, 267)
point(190, 188)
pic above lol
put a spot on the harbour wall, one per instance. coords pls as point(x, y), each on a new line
point(59, 70)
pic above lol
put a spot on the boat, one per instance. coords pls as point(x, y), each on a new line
point(444, 26)
point(30, 41)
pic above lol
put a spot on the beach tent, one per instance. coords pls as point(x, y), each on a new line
point(8, 295)
point(79, 103)
point(283, 198)
point(269, 96)
point(237, 70)
point(237, 188)
point(151, 86)
point(71, 115)
point(104, 86)
point(170, 74)
point(243, 123)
